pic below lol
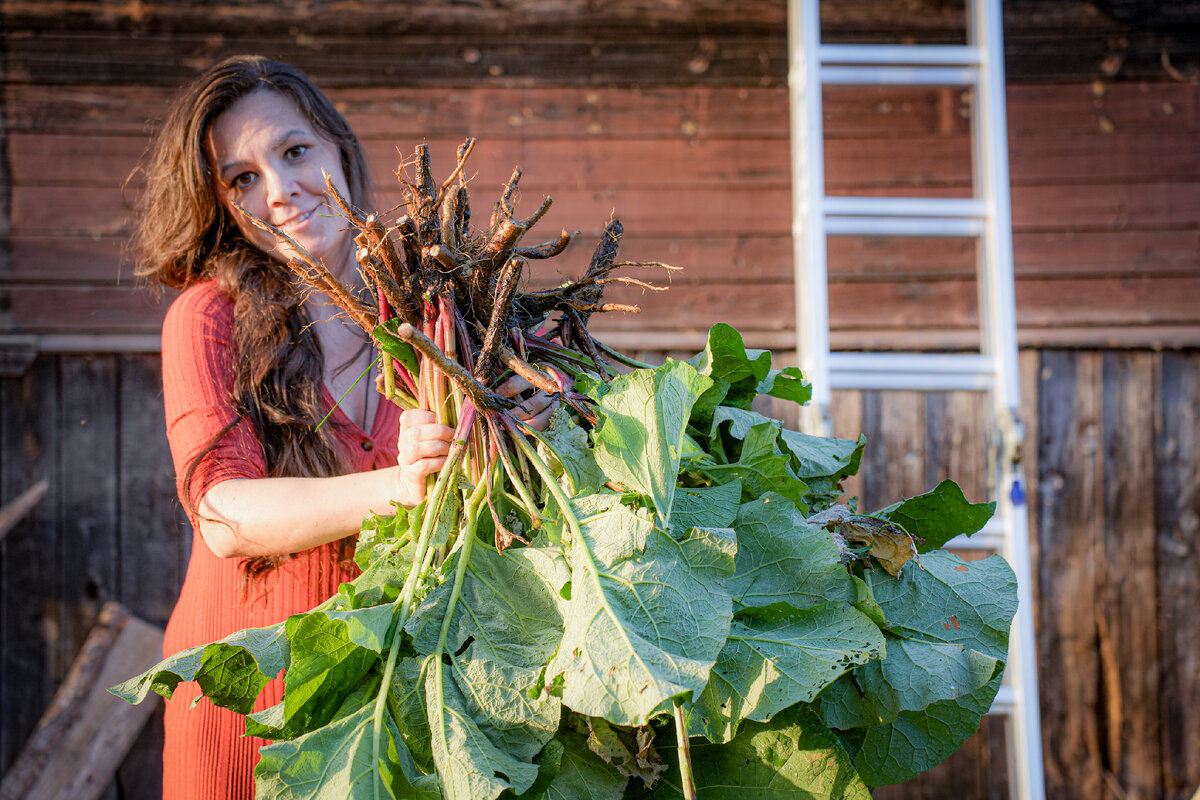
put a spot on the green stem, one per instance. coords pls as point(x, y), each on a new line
point(380, 703)
point(345, 394)
point(684, 751)
point(468, 538)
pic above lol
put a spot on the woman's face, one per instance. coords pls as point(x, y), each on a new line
point(267, 157)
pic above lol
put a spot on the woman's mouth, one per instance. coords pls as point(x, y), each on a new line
point(298, 220)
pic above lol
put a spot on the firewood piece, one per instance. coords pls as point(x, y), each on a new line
point(14, 511)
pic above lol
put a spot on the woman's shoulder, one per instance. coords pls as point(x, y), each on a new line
point(205, 298)
point(202, 310)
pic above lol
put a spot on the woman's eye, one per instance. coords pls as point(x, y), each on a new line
point(242, 180)
point(295, 151)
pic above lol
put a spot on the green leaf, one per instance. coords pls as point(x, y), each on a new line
point(793, 756)
point(920, 740)
point(787, 384)
point(469, 764)
point(582, 775)
point(951, 600)
point(327, 665)
point(231, 672)
point(506, 624)
point(938, 515)
point(760, 466)
point(779, 658)
point(394, 346)
point(564, 446)
point(783, 559)
point(822, 463)
point(640, 437)
point(736, 371)
point(914, 676)
point(712, 507)
point(338, 761)
point(647, 615)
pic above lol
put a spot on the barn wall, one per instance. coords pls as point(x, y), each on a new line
point(673, 116)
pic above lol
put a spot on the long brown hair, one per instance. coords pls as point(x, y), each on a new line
point(184, 235)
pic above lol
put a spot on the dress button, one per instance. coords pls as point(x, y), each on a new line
point(368, 445)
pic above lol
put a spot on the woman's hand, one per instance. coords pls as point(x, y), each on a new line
point(421, 451)
point(536, 409)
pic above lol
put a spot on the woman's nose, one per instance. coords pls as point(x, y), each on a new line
point(281, 186)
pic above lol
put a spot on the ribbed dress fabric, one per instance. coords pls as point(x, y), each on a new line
point(206, 756)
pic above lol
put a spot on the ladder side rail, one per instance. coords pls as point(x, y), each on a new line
point(997, 305)
point(808, 213)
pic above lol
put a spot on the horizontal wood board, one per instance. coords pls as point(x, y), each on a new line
point(1106, 243)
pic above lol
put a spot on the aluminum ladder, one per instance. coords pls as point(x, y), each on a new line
point(987, 218)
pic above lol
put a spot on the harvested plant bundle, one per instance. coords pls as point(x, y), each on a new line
point(655, 597)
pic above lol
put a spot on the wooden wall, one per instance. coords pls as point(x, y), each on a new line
point(1104, 185)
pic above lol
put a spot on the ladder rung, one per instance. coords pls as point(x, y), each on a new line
point(900, 54)
point(933, 207)
point(914, 371)
point(903, 226)
point(991, 536)
point(904, 216)
point(885, 75)
point(1004, 703)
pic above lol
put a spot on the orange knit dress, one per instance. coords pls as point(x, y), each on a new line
point(206, 756)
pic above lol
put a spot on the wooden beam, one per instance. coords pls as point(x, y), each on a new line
point(13, 512)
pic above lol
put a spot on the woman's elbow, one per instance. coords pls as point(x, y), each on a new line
point(221, 538)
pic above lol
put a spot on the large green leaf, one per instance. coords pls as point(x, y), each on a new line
point(780, 657)
point(231, 672)
point(564, 446)
point(505, 626)
point(579, 774)
point(469, 763)
point(938, 515)
point(791, 757)
point(712, 507)
point(920, 740)
point(822, 463)
point(647, 615)
point(760, 465)
point(643, 419)
point(337, 762)
point(327, 665)
point(783, 559)
point(915, 675)
point(951, 600)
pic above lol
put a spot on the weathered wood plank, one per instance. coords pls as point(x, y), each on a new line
point(31, 658)
point(1177, 477)
point(488, 112)
point(706, 257)
point(893, 464)
point(846, 415)
point(1070, 508)
point(89, 479)
point(58, 210)
point(1127, 580)
point(153, 542)
point(1030, 366)
point(957, 430)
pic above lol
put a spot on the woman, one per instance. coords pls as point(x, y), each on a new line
point(251, 364)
